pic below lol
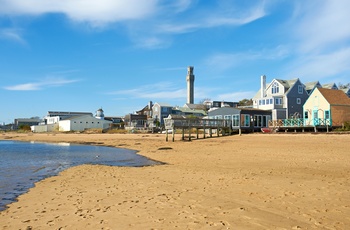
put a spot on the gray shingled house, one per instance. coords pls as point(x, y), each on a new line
point(248, 119)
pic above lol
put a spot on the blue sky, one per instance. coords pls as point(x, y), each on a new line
point(81, 55)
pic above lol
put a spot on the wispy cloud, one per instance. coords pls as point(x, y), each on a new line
point(150, 24)
point(321, 25)
point(161, 90)
point(322, 66)
point(40, 85)
point(321, 40)
point(213, 18)
point(225, 61)
point(12, 34)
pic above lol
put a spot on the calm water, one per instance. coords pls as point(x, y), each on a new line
point(24, 163)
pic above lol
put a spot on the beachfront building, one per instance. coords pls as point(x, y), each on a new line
point(285, 98)
point(327, 107)
point(81, 123)
point(160, 111)
point(20, 122)
point(135, 121)
point(185, 111)
point(71, 121)
point(248, 119)
point(53, 117)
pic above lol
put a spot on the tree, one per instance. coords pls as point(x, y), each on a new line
point(245, 102)
point(343, 86)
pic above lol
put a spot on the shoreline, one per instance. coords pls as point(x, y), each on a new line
point(253, 181)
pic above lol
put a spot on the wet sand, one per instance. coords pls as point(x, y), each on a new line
point(255, 181)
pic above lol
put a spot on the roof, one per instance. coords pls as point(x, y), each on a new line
point(193, 106)
point(311, 85)
point(193, 111)
point(66, 113)
point(334, 96)
point(230, 111)
point(329, 85)
point(287, 84)
point(75, 117)
point(163, 104)
point(345, 90)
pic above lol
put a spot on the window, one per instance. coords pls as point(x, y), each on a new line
point(300, 89)
point(271, 101)
point(278, 101)
point(298, 101)
point(263, 102)
point(245, 120)
point(327, 114)
point(267, 101)
point(264, 121)
point(306, 115)
point(257, 120)
point(275, 88)
point(235, 120)
point(259, 102)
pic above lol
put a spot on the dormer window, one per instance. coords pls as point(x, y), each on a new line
point(275, 88)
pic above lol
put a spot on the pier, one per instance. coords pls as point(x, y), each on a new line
point(175, 122)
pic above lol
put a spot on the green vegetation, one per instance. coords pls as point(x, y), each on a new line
point(345, 127)
point(24, 128)
point(245, 102)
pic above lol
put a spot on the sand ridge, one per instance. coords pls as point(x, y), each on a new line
point(255, 181)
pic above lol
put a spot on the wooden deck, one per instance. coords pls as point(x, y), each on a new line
point(300, 124)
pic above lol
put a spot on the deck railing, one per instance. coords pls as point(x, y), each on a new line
point(300, 122)
point(171, 123)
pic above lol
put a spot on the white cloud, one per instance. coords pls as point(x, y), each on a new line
point(94, 12)
point(49, 82)
point(236, 96)
point(323, 25)
point(322, 66)
point(321, 40)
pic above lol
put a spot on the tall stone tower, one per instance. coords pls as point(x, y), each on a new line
point(190, 85)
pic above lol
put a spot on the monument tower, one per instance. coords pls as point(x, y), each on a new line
point(190, 85)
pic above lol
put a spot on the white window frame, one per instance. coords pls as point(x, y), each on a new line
point(275, 88)
point(235, 120)
point(278, 101)
point(300, 89)
point(298, 101)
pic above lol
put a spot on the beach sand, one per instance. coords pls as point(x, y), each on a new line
point(253, 181)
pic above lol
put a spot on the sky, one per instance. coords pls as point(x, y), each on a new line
point(82, 55)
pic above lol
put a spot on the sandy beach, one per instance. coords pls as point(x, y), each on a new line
point(253, 181)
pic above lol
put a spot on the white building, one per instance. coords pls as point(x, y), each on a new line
point(71, 121)
point(80, 123)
